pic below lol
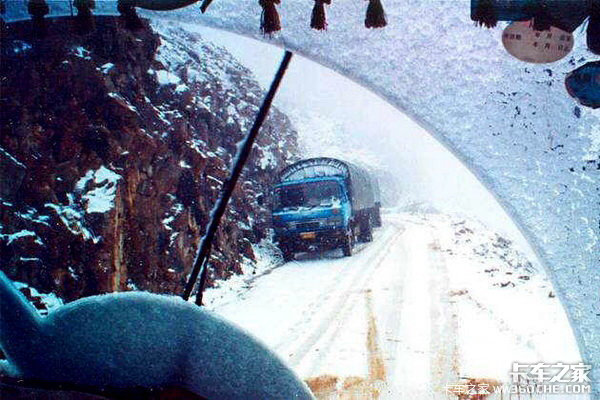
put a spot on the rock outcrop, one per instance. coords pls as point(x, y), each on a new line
point(113, 148)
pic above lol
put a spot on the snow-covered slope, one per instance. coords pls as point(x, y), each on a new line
point(431, 300)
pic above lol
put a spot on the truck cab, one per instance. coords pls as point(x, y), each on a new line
point(314, 207)
point(311, 212)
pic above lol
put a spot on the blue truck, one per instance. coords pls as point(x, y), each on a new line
point(324, 203)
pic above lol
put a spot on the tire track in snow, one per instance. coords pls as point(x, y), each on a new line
point(444, 325)
point(340, 302)
point(315, 307)
point(377, 371)
point(390, 322)
point(348, 308)
point(433, 352)
point(329, 387)
point(409, 355)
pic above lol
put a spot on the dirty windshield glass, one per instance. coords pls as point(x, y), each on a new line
point(369, 199)
point(308, 195)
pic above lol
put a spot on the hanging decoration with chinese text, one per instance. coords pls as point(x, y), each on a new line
point(541, 31)
point(541, 15)
point(524, 42)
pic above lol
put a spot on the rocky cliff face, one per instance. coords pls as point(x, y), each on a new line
point(113, 149)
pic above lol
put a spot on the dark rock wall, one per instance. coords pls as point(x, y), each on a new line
point(114, 146)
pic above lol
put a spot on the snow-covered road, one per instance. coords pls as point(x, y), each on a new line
point(396, 320)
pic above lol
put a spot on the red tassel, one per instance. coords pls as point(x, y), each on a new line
point(541, 19)
point(2, 23)
point(269, 21)
point(205, 5)
point(38, 9)
point(484, 14)
point(319, 17)
point(593, 31)
point(84, 22)
point(375, 15)
point(129, 15)
point(541, 24)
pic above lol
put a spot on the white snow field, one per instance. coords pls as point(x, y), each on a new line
point(425, 305)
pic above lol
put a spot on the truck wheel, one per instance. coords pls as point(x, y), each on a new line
point(366, 231)
point(377, 217)
point(286, 252)
point(347, 244)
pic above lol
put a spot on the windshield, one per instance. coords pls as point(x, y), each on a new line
point(312, 194)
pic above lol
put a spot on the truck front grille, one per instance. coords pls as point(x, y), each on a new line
point(307, 225)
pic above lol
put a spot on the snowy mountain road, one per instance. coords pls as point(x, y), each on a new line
point(359, 326)
point(404, 317)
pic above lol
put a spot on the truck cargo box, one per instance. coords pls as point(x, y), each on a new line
point(364, 193)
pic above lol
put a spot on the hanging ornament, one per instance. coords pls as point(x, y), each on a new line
point(205, 5)
point(129, 15)
point(318, 20)
point(524, 42)
point(593, 31)
point(564, 14)
point(583, 84)
point(38, 9)
point(84, 21)
point(541, 17)
point(483, 12)
point(375, 17)
point(269, 20)
point(2, 23)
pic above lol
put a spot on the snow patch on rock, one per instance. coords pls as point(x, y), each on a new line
point(100, 198)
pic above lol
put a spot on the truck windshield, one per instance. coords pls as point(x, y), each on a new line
point(310, 194)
